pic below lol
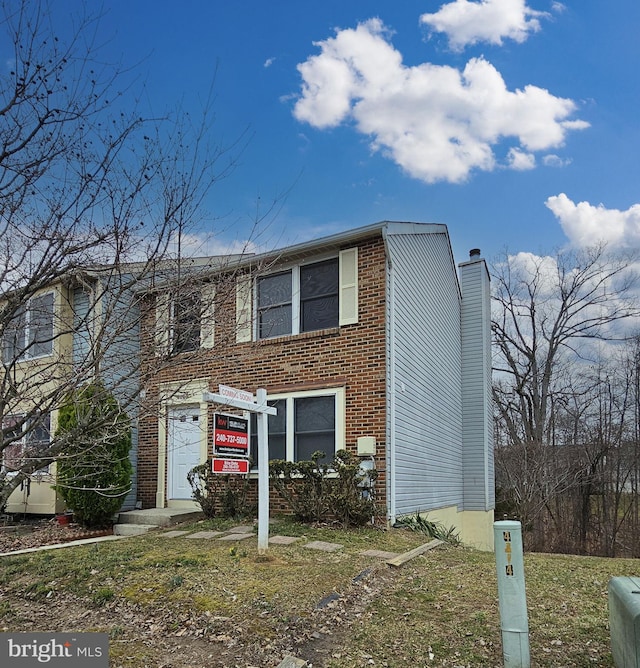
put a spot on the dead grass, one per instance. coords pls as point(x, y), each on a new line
point(185, 602)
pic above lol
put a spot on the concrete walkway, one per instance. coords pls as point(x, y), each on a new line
point(57, 546)
point(162, 519)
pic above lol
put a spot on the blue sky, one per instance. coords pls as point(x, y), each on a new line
point(514, 122)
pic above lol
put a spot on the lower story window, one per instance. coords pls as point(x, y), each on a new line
point(305, 423)
point(29, 439)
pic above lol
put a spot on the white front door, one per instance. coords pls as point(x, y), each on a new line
point(184, 439)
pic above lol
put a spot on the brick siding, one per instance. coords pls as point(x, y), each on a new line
point(352, 357)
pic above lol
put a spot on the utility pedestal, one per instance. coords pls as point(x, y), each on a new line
point(514, 621)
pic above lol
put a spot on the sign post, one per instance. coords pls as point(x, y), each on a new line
point(229, 396)
point(263, 474)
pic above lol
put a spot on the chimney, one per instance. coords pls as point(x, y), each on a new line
point(477, 413)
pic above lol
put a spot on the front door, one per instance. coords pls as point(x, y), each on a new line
point(184, 439)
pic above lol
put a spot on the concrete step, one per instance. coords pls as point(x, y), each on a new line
point(132, 529)
point(159, 517)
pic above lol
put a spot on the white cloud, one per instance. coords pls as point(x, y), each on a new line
point(434, 121)
point(269, 62)
point(521, 161)
point(528, 268)
point(553, 160)
point(588, 225)
point(491, 21)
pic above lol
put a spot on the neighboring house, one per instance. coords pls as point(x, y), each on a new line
point(83, 327)
point(36, 358)
point(71, 332)
point(368, 340)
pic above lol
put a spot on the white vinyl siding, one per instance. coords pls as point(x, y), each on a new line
point(479, 484)
point(106, 339)
point(425, 411)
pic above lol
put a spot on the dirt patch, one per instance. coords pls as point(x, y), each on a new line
point(167, 638)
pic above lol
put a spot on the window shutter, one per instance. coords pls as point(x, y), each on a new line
point(348, 273)
point(244, 323)
point(207, 317)
point(163, 303)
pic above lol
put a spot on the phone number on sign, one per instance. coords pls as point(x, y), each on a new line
point(230, 438)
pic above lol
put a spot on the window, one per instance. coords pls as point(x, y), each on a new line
point(302, 299)
point(30, 333)
point(306, 422)
point(319, 295)
point(185, 321)
point(186, 324)
point(31, 444)
point(274, 305)
point(314, 427)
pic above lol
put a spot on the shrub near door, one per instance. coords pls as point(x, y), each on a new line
point(94, 471)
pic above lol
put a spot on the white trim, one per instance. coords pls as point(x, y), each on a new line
point(391, 398)
point(295, 298)
point(177, 395)
point(26, 346)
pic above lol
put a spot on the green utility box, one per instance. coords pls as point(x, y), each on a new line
point(624, 621)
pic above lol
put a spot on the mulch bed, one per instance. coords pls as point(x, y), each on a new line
point(22, 532)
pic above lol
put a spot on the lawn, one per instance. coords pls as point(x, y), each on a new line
point(190, 602)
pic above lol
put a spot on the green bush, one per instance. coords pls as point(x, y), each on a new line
point(94, 471)
point(219, 494)
point(319, 492)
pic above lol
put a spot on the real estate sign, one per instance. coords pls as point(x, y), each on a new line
point(230, 435)
point(220, 465)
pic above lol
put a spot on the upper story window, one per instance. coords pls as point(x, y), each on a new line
point(30, 333)
point(185, 323)
point(302, 299)
point(185, 320)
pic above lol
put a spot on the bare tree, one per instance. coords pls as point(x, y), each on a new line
point(548, 313)
point(94, 203)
